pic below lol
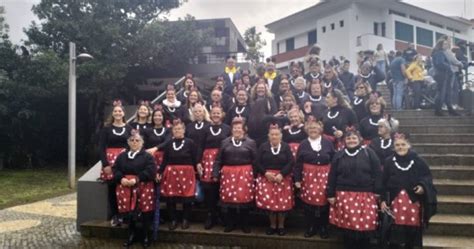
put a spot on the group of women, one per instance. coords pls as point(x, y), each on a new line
point(272, 142)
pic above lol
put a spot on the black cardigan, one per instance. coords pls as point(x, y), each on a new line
point(142, 165)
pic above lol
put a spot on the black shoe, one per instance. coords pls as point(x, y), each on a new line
point(209, 223)
point(172, 225)
point(281, 231)
point(130, 240)
point(185, 225)
point(309, 232)
point(323, 232)
point(229, 228)
point(146, 242)
point(439, 113)
point(270, 231)
point(454, 113)
point(246, 229)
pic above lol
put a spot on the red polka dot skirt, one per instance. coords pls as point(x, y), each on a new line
point(273, 196)
point(178, 181)
point(237, 184)
point(354, 211)
point(127, 196)
point(111, 154)
point(313, 185)
point(208, 158)
point(294, 148)
point(405, 211)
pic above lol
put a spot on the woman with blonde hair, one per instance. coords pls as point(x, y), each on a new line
point(142, 118)
point(416, 77)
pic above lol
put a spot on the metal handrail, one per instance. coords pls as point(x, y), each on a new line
point(157, 98)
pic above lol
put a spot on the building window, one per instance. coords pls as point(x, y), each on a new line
point(439, 35)
point(376, 28)
point(437, 25)
point(333, 26)
point(290, 44)
point(324, 29)
point(222, 32)
point(418, 19)
point(424, 37)
point(341, 23)
point(312, 37)
point(278, 48)
point(383, 28)
point(403, 31)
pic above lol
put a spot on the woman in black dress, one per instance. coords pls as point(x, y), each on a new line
point(361, 95)
point(311, 175)
point(274, 190)
point(241, 108)
point(142, 119)
point(157, 136)
point(234, 167)
point(299, 92)
point(194, 96)
point(262, 107)
point(171, 106)
point(407, 189)
point(213, 136)
point(134, 174)
point(338, 118)
point(354, 181)
point(294, 133)
point(369, 125)
point(200, 122)
point(383, 143)
point(188, 84)
point(177, 174)
point(112, 142)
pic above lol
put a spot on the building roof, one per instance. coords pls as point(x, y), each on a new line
point(323, 4)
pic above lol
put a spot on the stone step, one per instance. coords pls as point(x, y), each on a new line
point(448, 159)
point(453, 172)
point(456, 204)
point(257, 238)
point(452, 224)
point(430, 128)
point(423, 114)
point(441, 138)
point(443, 148)
point(454, 187)
point(435, 120)
point(448, 242)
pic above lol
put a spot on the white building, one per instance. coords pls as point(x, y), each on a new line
point(344, 27)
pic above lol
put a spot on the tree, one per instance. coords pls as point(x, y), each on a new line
point(126, 38)
point(254, 44)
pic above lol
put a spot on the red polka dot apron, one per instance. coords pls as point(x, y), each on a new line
point(178, 181)
point(294, 149)
point(405, 211)
point(313, 185)
point(111, 154)
point(354, 211)
point(237, 184)
point(127, 196)
point(274, 196)
point(208, 158)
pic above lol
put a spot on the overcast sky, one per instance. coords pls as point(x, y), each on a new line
point(244, 13)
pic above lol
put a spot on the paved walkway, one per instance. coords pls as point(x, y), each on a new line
point(52, 224)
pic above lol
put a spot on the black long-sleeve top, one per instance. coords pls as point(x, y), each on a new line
point(376, 146)
point(233, 112)
point(140, 127)
point(172, 113)
point(334, 83)
point(141, 165)
point(306, 154)
point(359, 173)
point(196, 131)
point(156, 137)
point(358, 105)
point(368, 127)
point(211, 140)
point(344, 119)
point(187, 155)
point(298, 135)
point(185, 115)
point(231, 155)
point(283, 161)
point(395, 179)
point(112, 137)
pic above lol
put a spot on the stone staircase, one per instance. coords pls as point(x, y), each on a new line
point(446, 144)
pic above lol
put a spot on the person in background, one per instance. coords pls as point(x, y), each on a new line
point(416, 77)
point(331, 81)
point(142, 117)
point(456, 67)
point(348, 79)
point(409, 53)
point(368, 126)
point(188, 84)
point(369, 74)
point(383, 143)
point(362, 94)
point(172, 107)
point(398, 69)
point(231, 73)
point(381, 59)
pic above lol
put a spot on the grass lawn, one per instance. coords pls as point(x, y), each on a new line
point(22, 186)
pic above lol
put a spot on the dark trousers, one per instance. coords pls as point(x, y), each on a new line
point(352, 243)
point(315, 218)
point(146, 220)
point(112, 199)
point(443, 80)
point(171, 207)
point(237, 217)
point(417, 85)
point(211, 198)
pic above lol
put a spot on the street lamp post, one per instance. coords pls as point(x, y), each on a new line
point(72, 113)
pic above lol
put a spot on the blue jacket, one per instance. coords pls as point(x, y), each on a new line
point(440, 61)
